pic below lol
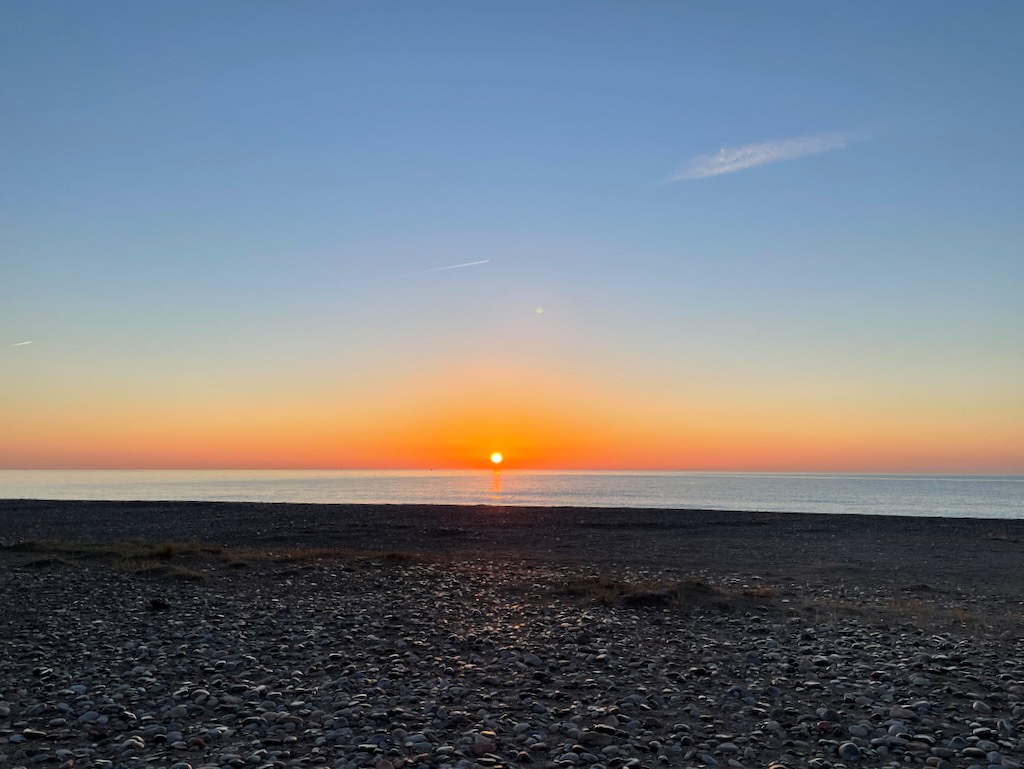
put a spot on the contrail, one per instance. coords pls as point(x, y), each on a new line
point(19, 344)
point(456, 266)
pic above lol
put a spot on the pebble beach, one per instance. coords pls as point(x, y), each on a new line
point(391, 637)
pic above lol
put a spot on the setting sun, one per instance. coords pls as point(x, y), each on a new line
point(496, 458)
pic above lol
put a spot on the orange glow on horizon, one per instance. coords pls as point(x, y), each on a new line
point(543, 420)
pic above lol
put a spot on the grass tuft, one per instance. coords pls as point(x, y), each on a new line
point(685, 594)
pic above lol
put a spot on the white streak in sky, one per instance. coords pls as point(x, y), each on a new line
point(456, 266)
point(729, 160)
point(20, 344)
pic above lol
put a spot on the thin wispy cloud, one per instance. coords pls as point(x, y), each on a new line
point(729, 160)
point(457, 266)
point(20, 344)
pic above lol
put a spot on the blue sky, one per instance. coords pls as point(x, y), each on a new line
point(820, 196)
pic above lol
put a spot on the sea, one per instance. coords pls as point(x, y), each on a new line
point(944, 496)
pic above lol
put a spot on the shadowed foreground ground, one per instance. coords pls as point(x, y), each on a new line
point(293, 636)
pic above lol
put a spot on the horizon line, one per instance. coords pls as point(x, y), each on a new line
point(506, 468)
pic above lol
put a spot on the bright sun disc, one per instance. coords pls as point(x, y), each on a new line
point(496, 458)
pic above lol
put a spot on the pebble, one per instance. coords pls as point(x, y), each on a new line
point(477, 665)
point(849, 752)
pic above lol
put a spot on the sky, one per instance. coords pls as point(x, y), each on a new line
point(589, 235)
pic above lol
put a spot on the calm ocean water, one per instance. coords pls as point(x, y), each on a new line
point(969, 496)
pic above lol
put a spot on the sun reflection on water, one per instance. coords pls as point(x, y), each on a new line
point(496, 486)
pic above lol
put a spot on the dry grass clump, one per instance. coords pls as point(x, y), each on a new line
point(183, 560)
point(170, 571)
point(941, 616)
point(689, 593)
point(694, 594)
point(762, 591)
point(240, 557)
point(127, 551)
point(152, 558)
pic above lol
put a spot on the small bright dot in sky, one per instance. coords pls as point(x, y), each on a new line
point(496, 458)
point(540, 310)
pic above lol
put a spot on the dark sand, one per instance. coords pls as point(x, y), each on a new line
point(970, 559)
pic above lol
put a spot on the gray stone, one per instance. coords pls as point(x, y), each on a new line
point(849, 752)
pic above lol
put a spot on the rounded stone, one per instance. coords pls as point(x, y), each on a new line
point(849, 752)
